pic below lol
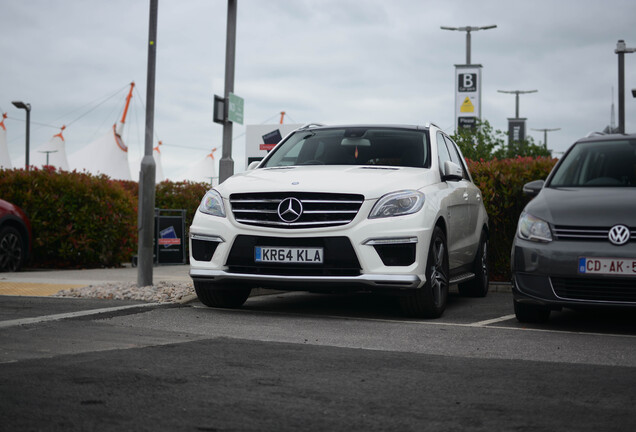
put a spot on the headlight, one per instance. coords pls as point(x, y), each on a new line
point(212, 204)
point(533, 229)
point(397, 204)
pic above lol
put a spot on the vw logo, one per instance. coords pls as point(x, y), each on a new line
point(619, 235)
point(290, 209)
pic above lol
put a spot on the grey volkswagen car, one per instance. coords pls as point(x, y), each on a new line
point(575, 244)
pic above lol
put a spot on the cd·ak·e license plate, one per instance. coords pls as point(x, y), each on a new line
point(608, 266)
point(292, 255)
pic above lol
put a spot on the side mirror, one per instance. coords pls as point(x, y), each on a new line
point(253, 165)
point(533, 188)
point(452, 172)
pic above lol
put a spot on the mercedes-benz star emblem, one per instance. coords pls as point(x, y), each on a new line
point(619, 235)
point(290, 209)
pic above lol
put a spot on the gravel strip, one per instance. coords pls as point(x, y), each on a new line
point(162, 292)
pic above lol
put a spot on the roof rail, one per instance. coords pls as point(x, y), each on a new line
point(591, 134)
point(308, 125)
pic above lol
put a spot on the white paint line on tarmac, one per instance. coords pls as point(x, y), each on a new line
point(491, 321)
point(57, 317)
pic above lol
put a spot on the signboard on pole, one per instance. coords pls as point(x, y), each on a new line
point(235, 109)
point(467, 95)
point(516, 130)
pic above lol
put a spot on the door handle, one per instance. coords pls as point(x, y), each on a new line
point(465, 196)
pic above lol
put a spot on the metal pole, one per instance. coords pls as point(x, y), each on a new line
point(621, 85)
point(226, 164)
point(146, 206)
point(468, 46)
point(28, 135)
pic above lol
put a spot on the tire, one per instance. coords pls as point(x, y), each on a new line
point(12, 252)
point(430, 300)
point(220, 296)
point(478, 287)
point(531, 313)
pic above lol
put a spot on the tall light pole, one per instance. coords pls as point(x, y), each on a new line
point(146, 206)
point(468, 30)
point(27, 108)
point(48, 152)
point(517, 93)
point(545, 135)
point(621, 50)
point(226, 164)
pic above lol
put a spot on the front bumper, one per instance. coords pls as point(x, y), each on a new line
point(375, 282)
point(365, 255)
point(547, 274)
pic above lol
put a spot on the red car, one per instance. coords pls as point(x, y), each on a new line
point(15, 237)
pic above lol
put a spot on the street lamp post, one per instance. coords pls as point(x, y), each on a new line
point(621, 50)
point(27, 108)
point(48, 152)
point(226, 164)
point(468, 29)
point(545, 135)
point(517, 93)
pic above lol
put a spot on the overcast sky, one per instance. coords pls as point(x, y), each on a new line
point(327, 61)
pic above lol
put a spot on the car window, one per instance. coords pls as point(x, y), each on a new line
point(598, 164)
point(353, 146)
point(456, 157)
point(442, 151)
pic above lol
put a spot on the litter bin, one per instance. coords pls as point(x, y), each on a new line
point(170, 239)
point(169, 243)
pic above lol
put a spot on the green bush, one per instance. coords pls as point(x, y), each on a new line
point(501, 183)
point(78, 220)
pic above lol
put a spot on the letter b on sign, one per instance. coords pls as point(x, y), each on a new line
point(467, 82)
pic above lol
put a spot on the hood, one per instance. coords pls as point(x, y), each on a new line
point(372, 182)
point(602, 207)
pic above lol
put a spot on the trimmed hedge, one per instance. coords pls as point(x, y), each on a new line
point(80, 220)
point(501, 184)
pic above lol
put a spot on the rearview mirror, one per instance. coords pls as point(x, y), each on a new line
point(355, 142)
point(253, 165)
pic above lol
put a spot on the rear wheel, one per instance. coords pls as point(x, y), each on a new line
point(478, 287)
point(531, 313)
point(12, 252)
point(430, 300)
point(214, 295)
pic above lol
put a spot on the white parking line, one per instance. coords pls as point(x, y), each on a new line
point(491, 321)
point(56, 317)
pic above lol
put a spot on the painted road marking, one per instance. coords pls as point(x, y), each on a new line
point(57, 317)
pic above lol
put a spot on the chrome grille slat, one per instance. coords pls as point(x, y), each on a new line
point(319, 209)
point(586, 233)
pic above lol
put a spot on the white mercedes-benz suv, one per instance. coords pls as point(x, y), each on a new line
point(391, 209)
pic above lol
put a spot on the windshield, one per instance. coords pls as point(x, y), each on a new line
point(598, 164)
point(353, 146)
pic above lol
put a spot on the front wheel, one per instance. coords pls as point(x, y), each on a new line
point(430, 300)
point(531, 313)
point(214, 295)
point(11, 251)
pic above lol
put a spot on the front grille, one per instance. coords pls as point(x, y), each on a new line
point(575, 233)
point(339, 257)
point(318, 209)
point(622, 290)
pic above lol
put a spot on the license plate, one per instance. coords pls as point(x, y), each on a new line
point(608, 266)
point(294, 255)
